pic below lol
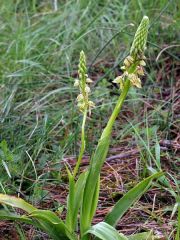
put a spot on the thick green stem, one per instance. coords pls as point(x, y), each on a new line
point(117, 109)
point(82, 144)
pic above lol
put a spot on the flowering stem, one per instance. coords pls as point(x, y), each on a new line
point(117, 109)
point(82, 144)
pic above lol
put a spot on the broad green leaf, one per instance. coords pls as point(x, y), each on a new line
point(79, 190)
point(95, 199)
point(129, 198)
point(142, 236)
point(17, 203)
point(91, 184)
point(46, 220)
point(74, 200)
point(70, 202)
point(105, 231)
point(6, 215)
point(52, 225)
point(49, 215)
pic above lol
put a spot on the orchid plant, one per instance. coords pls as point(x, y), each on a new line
point(84, 186)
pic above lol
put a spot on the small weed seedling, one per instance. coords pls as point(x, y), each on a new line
point(84, 187)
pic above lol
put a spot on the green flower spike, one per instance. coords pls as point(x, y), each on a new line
point(134, 63)
point(83, 98)
point(82, 67)
point(140, 38)
point(84, 104)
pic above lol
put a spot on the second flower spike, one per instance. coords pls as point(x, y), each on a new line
point(83, 98)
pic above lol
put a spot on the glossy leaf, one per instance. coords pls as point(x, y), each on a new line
point(74, 199)
point(52, 225)
point(45, 219)
point(70, 202)
point(104, 231)
point(95, 199)
point(6, 215)
point(142, 236)
point(17, 203)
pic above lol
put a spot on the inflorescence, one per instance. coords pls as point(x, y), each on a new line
point(83, 98)
point(134, 63)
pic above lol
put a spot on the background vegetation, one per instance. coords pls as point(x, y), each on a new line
point(40, 43)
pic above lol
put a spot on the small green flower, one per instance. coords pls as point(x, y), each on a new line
point(135, 80)
point(120, 80)
point(88, 80)
point(76, 83)
point(128, 61)
point(140, 71)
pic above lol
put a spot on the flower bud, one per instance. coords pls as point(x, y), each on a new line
point(128, 61)
point(140, 71)
point(91, 104)
point(80, 97)
point(76, 83)
point(118, 79)
point(87, 89)
point(123, 68)
point(81, 106)
point(142, 63)
point(135, 81)
point(88, 80)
